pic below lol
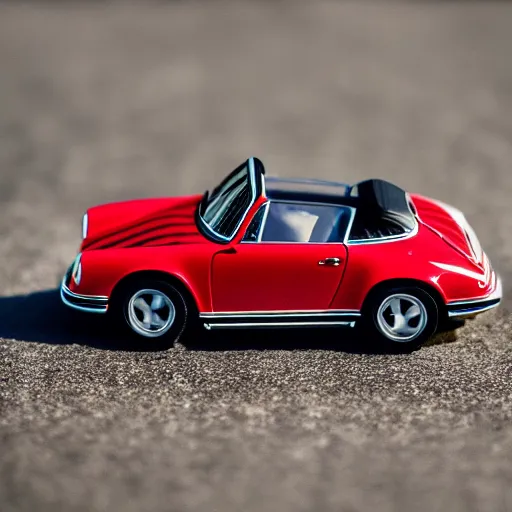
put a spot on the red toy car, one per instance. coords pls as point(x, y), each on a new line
point(267, 252)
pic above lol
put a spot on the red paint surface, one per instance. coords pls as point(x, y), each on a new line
point(266, 277)
point(161, 235)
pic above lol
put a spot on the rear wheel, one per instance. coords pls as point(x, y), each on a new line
point(401, 319)
point(152, 312)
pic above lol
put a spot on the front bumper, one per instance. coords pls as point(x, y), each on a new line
point(86, 303)
point(470, 308)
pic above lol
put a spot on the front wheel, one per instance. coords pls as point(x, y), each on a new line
point(152, 312)
point(401, 319)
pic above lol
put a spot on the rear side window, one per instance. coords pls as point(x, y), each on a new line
point(371, 228)
point(300, 223)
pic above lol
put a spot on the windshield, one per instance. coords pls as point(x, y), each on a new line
point(229, 202)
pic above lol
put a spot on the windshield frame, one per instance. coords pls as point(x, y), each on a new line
point(256, 190)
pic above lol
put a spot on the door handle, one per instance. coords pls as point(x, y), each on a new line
point(330, 261)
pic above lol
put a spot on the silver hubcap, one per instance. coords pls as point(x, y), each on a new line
point(402, 317)
point(151, 313)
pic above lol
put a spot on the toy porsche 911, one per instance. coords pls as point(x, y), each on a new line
point(263, 252)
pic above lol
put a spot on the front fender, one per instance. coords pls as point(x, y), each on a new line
point(102, 270)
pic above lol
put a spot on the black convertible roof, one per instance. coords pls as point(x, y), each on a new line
point(385, 200)
point(373, 198)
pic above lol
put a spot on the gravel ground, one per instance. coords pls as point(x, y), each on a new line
point(101, 102)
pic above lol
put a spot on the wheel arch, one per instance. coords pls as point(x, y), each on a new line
point(171, 279)
point(408, 282)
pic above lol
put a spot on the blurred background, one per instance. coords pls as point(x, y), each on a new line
point(103, 101)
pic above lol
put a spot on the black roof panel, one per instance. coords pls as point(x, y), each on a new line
point(311, 191)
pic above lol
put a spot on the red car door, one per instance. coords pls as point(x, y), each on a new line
point(277, 276)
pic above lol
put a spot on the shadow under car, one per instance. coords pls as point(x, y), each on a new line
point(42, 317)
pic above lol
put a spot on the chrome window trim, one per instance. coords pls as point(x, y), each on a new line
point(252, 179)
point(350, 224)
point(298, 202)
point(291, 243)
point(263, 221)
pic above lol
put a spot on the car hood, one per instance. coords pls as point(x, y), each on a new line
point(451, 225)
point(142, 223)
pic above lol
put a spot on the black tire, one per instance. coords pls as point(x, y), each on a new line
point(378, 318)
point(132, 319)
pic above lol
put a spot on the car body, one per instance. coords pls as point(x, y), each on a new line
point(260, 251)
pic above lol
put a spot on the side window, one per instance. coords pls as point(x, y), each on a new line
point(302, 223)
point(251, 235)
point(367, 227)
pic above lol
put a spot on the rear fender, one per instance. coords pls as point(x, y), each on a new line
point(413, 258)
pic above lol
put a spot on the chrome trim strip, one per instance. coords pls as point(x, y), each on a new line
point(85, 309)
point(470, 312)
point(479, 305)
point(283, 314)
point(253, 189)
point(471, 302)
point(100, 302)
point(100, 298)
point(249, 325)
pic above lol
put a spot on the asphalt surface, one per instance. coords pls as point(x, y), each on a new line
point(103, 102)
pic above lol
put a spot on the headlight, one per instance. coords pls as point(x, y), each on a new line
point(76, 273)
point(85, 226)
